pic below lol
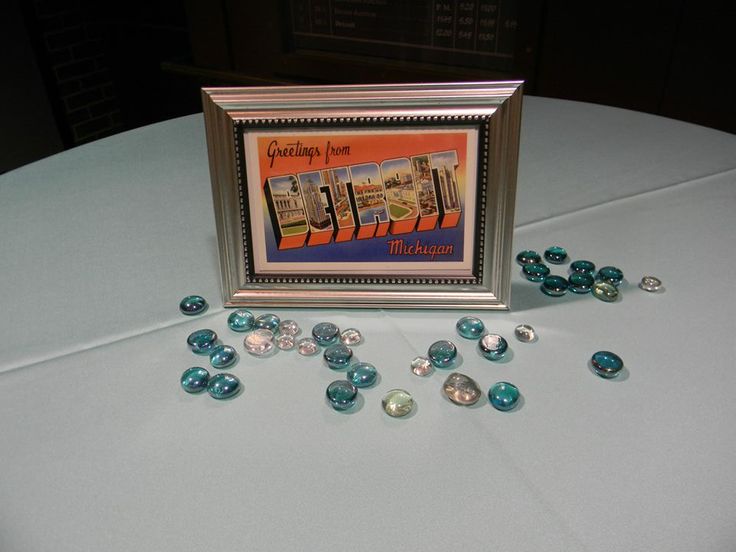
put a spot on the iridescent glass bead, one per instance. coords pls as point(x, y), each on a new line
point(307, 346)
point(194, 380)
point(362, 374)
point(605, 292)
point(268, 322)
point(338, 356)
point(535, 272)
point(470, 327)
point(580, 282)
point(442, 353)
point(607, 364)
point(223, 386)
point(554, 286)
point(525, 333)
point(493, 346)
point(341, 394)
point(289, 327)
point(259, 342)
point(202, 341)
point(241, 321)
point(397, 403)
point(503, 396)
point(461, 389)
point(582, 266)
point(285, 342)
point(325, 333)
point(610, 275)
point(555, 254)
point(223, 356)
point(351, 336)
point(421, 366)
point(650, 283)
point(193, 304)
point(528, 257)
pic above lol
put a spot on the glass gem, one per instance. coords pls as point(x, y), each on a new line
point(259, 342)
point(461, 389)
point(610, 275)
point(338, 356)
point(268, 322)
point(351, 336)
point(202, 341)
point(535, 272)
point(556, 254)
point(307, 346)
point(580, 282)
point(503, 395)
point(470, 327)
point(493, 346)
point(223, 356)
point(650, 283)
point(341, 394)
point(289, 327)
point(397, 403)
point(194, 380)
point(442, 353)
point(421, 366)
point(525, 333)
point(605, 292)
point(193, 304)
point(554, 286)
point(362, 374)
point(241, 320)
point(223, 386)
point(582, 266)
point(325, 333)
point(285, 342)
point(607, 364)
point(528, 257)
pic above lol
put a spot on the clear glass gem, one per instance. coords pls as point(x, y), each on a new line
point(605, 292)
point(580, 282)
point(193, 304)
point(582, 266)
point(525, 333)
point(421, 366)
point(503, 395)
point(289, 327)
point(461, 389)
point(338, 356)
point(650, 283)
point(362, 374)
point(268, 322)
point(241, 321)
point(442, 353)
point(285, 342)
point(528, 257)
point(470, 327)
point(194, 380)
point(607, 364)
point(554, 286)
point(555, 254)
point(259, 342)
point(341, 394)
point(535, 272)
point(223, 386)
point(351, 336)
point(307, 346)
point(493, 346)
point(223, 356)
point(202, 341)
point(610, 275)
point(397, 403)
point(325, 333)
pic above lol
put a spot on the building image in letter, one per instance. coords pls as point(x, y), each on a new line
point(286, 210)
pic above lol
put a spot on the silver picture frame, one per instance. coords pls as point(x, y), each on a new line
point(367, 196)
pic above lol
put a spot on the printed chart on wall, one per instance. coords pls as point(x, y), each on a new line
point(373, 202)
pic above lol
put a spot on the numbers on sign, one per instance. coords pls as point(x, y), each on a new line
point(486, 37)
point(488, 8)
point(443, 32)
point(487, 22)
point(465, 35)
point(511, 24)
point(444, 19)
point(465, 21)
point(443, 6)
point(466, 6)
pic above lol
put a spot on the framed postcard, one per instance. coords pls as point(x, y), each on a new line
point(365, 196)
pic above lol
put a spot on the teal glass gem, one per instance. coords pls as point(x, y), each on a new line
point(535, 272)
point(605, 292)
point(503, 396)
point(362, 374)
point(194, 380)
point(442, 353)
point(555, 254)
point(325, 333)
point(241, 321)
point(268, 322)
point(610, 275)
point(580, 282)
point(607, 364)
point(582, 266)
point(528, 257)
point(202, 342)
point(223, 386)
point(493, 346)
point(341, 394)
point(470, 327)
point(223, 356)
point(193, 304)
point(554, 286)
point(338, 356)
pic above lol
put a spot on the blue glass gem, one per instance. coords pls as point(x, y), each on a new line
point(554, 286)
point(341, 394)
point(202, 342)
point(528, 257)
point(610, 275)
point(223, 386)
point(362, 374)
point(607, 364)
point(535, 272)
point(442, 353)
point(503, 395)
point(194, 380)
point(580, 282)
point(605, 292)
point(582, 266)
point(193, 304)
point(470, 327)
point(555, 254)
point(338, 356)
point(493, 346)
point(223, 356)
point(241, 321)
point(268, 322)
point(325, 333)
